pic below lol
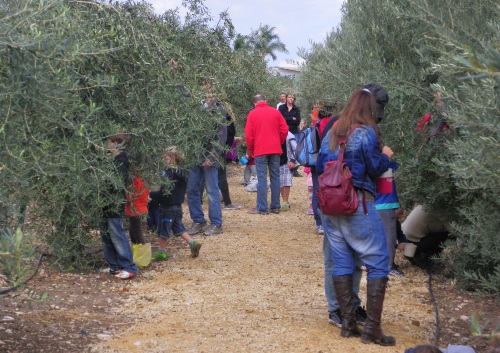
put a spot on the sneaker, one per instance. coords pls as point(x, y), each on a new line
point(197, 228)
point(335, 318)
point(195, 249)
point(275, 210)
point(232, 206)
point(159, 256)
point(285, 206)
point(321, 230)
point(395, 271)
point(361, 315)
point(254, 211)
point(213, 230)
point(110, 271)
point(310, 212)
point(124, 275)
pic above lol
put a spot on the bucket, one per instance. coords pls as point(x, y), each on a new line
point(243, 160)
point(409, 250)
point(384, 182)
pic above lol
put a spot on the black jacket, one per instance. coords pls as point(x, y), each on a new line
point(177, 194)
point(292, 117)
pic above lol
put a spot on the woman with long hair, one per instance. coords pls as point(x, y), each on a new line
point(362, 232)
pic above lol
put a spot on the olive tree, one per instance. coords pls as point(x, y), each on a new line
point(74, 73)
point(415, 48)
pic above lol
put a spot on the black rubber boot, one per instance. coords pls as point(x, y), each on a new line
point(374, 305)
point(345, 297)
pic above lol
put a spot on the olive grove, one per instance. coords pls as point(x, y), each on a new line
point(73, 73)
point(415, 48)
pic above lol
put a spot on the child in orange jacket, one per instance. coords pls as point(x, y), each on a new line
point(137, 205)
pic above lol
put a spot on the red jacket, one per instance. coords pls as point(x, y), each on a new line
point(322, 124)
point(137, 201)
point(265, 131)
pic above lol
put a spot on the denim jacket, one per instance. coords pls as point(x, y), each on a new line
point(362, 155)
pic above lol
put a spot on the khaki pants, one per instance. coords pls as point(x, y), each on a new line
point(420, 223)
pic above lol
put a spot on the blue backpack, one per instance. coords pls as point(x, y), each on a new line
point(308, 145)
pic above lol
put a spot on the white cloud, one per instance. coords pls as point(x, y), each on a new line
point(161, 6)
point(296, 21)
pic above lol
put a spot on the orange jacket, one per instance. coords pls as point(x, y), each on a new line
point(137, 201)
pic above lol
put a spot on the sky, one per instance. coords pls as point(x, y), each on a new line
point(296, 22)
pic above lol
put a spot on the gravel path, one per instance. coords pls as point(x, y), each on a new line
point(256, 288)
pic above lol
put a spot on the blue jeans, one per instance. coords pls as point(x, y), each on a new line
point(194, 194)
point(358, 234)
point(117, 251)
point(330, 295)
point(262, 163)
point(170, 221)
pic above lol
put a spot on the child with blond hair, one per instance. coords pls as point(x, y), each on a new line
point(170, 202)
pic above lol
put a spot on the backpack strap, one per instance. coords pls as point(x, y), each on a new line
point(292, 150)
point(365, 208)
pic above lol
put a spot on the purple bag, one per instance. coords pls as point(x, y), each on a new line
point(231, 154)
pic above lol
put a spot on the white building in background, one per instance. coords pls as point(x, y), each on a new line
point(289, 68)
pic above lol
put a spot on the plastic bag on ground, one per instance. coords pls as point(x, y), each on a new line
point(141, 254)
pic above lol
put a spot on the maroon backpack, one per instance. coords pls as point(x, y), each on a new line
point(336, 194)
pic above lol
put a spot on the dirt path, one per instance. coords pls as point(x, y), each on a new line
point(256, 288)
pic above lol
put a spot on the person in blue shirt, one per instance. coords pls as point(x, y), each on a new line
point(386, 206)
point(360, 233)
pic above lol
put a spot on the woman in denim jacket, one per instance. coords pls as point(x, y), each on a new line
point(359, 232)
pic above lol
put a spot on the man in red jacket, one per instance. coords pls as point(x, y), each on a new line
point(266, 131)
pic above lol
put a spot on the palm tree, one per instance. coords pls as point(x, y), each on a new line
point(266, 42)
point(241, 42)
point(263, 42)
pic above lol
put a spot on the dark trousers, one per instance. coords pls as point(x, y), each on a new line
point(153, 216)
point(135, 230)
point(223, 186)
point(431, 244)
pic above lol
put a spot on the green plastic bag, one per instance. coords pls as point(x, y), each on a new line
point(141, 254)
